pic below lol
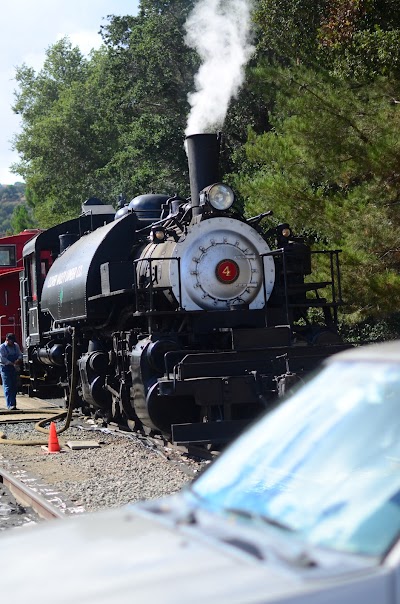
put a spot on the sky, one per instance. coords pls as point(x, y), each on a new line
point(29, 27)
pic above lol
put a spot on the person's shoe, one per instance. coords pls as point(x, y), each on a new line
point(13, 408)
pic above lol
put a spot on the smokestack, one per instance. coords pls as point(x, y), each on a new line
point(203, 159)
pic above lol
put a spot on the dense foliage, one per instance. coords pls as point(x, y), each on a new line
point(109, 124)
point(330, 161)
point(13, 202)
point(313, 134)
point(15, 192)
point(330, 166)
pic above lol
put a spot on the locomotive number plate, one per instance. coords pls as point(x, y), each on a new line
point(227, 271)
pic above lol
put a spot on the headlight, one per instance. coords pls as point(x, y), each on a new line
point(218, 195)
point(157, 234)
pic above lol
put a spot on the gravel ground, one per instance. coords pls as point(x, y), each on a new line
point(120, 471)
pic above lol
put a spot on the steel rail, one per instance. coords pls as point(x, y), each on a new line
point(28, 497)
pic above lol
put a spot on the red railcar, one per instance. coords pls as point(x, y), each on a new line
point(11, 264)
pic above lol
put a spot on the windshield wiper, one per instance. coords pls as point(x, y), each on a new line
point(252, 516)
point(302, 559)
point(278, 523)
point(246, 546)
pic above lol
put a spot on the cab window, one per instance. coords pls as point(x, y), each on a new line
point(7, 255)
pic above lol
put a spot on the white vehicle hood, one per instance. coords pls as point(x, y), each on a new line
point(124, 556)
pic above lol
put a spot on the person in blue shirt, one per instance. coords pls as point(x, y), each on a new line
point(10, 360)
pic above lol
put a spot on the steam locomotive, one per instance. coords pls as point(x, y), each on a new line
point(175, 315)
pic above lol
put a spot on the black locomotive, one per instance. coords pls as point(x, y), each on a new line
point(175, 315)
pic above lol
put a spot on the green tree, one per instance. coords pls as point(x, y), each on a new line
point(21, 219)
point(330, 166)
point(328, 159)
point(152, 69)
point(67, 133)
point(356, 38)
point(360, 39)
point(9, 193)
point(110, 123)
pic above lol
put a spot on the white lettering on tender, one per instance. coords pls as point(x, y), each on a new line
point(65, 276)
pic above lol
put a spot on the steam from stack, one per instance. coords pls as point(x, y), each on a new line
point(220, 32)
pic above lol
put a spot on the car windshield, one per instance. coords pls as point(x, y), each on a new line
point(325, 464)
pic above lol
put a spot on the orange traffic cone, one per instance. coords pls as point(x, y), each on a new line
point(54, 445)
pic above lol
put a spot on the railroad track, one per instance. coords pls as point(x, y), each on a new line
point(70, 481)
point(28, 497)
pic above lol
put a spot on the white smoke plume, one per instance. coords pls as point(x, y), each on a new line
point(220, 31)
